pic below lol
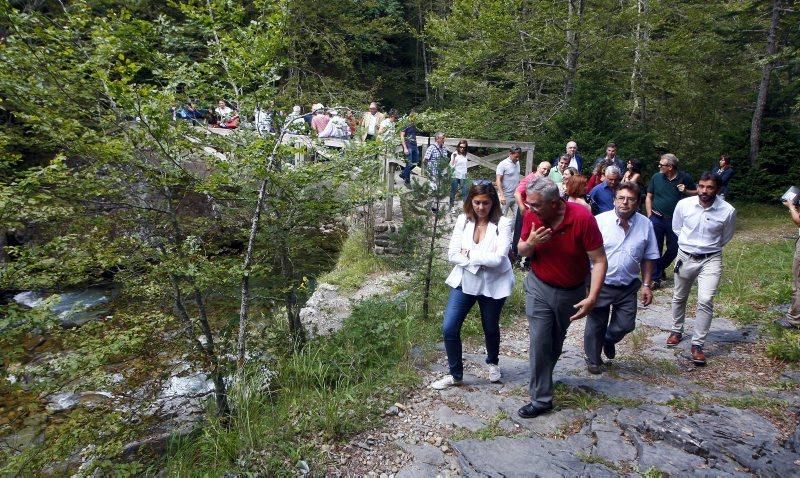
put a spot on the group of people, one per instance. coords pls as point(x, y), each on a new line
point(580, 264)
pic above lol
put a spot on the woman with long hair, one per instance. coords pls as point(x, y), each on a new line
point(482, 273)
point(458, 161)
point(576, 190)
point(634, 172)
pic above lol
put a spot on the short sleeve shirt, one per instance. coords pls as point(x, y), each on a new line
point(665, 192)
point(562, 261)
point(411, 135)
point(509, 170)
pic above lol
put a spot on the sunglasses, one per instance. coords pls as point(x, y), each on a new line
point(483, 182)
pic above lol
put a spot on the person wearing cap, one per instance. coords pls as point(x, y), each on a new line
point(320, 119)
point(370, 122)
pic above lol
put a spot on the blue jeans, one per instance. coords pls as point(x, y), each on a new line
point(663, 230)
point(454, 185)
point(412, 159)
point(458, 305)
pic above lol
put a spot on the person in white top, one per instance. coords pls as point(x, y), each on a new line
point(703, 224)
point(336, 128)
point(458, 161)
point(482, 273)
point(631, 249)
point(792, 319)
point(370, 122)
point(507, 177)
point(386, 128)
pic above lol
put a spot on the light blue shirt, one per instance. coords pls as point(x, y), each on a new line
point(625, 252)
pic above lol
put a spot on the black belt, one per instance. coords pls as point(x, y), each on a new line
point(700, 257)
point(618, 287)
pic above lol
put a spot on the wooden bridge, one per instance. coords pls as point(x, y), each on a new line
point(392, 163)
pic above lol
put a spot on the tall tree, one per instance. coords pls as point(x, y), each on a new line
point(763, 86)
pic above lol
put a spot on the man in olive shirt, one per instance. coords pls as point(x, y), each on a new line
point(666, 188)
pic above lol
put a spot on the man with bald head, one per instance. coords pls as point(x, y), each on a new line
point(370, 122)
point(575, 159)
point(542, 171)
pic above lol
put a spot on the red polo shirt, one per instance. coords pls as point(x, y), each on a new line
point(562, 261)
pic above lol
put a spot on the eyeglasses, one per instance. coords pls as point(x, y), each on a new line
point(625, 199)
point(461, 146)
point(661, 165)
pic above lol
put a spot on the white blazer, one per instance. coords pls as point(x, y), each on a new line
point(487, 270)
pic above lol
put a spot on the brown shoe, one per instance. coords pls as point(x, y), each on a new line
point(698, 357)
point(674, 339)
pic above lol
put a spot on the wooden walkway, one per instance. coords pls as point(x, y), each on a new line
point(392, 163)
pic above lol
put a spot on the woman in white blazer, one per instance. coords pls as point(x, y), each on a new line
point(482, 273)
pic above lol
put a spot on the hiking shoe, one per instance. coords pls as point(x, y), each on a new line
point(610, 350)
point(594, 369)
point(674, 339)
point(445, 382)
point(533, 410)
point(494, 373)
point(698, 357)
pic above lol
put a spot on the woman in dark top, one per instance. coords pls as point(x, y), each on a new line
point(724, 173)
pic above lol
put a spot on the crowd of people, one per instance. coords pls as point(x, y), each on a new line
point(593, 249)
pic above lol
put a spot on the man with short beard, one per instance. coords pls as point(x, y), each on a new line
point(703, 224)
point(629, 242)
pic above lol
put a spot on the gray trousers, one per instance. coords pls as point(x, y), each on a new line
point(548, 310)
point(613, 317)
point(793, 314)
point(707, 273)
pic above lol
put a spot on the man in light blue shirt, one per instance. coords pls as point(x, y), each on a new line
point(631, 249)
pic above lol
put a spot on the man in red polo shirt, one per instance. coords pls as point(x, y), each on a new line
point(561, 238)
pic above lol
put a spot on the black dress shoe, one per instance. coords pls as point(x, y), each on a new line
point(609, 350)
point(533, 410)
point(594, 369)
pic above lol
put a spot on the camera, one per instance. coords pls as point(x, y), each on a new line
point(792, 195)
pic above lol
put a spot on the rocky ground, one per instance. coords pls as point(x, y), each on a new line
point(651, 411)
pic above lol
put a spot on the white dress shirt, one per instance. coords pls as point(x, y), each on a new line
point(487, 270)
point(703, 230)
point(625, 252)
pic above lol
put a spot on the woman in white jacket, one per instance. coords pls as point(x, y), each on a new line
point(482, 273)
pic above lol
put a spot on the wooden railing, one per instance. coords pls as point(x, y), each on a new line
point(394, 162)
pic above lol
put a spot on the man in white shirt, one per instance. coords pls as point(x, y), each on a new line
point(703, 224)
point(507, 179)
point(370, 122)
point(631, 249)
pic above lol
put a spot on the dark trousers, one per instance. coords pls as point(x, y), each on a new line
point(662, 227)
point(613, 317)
point(548, 310)
point(458, 306)
point(412, 159)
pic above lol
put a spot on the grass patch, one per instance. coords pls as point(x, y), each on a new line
point(690, 404)
point(570, 397)
point(491, 430)
point(334, 387)
point(354, 265)
point(596, 459)
point(653, 472)
point(784, 345)
point(759, 404)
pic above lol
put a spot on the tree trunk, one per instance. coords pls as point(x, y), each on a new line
point(426, 293)
point(763, 87)
point(244, 306)
point(641, 37)
point(574, 18)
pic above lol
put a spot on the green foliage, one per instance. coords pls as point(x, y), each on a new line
point(331, 388)
point(354, 265)
point(784, 345)
point(569, 397)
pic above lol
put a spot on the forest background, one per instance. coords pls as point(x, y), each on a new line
point(98, 183)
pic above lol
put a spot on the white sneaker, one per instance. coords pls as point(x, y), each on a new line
point(444, 382)
point(494, 373)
